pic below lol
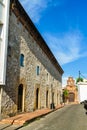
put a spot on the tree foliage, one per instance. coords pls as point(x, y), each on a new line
point(79, 80)
point(66, 93)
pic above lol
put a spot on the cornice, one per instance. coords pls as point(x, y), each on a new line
point(23, 17)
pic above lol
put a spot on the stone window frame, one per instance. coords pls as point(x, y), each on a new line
point(38, 70)
point(22, 60)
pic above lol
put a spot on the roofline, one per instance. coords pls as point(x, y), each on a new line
point(23, 17)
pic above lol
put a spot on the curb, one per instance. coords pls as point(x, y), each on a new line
point(33, 119)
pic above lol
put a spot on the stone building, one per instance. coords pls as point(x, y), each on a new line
point(33, 75)
point(72, 91)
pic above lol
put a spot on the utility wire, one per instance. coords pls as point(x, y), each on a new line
point(81, 75)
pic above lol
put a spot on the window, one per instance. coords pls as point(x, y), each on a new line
point(22, 60)
point(38, 70)
point(9, 51)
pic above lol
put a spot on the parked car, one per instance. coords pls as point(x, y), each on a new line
point(85, 104)
point(82, 102)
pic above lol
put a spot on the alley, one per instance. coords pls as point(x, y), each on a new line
point(71, 117)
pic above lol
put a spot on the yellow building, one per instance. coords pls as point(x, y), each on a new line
point(72, 91)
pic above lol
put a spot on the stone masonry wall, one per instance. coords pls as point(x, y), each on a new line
point(21, 42)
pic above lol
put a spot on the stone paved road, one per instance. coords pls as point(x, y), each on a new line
point(71, 117)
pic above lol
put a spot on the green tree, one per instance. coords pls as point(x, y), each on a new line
point(65, 95)
point(79, 80)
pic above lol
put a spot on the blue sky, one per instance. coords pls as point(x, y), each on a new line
point(63, 25)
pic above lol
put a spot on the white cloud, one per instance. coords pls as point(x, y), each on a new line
point(35, 8)
point(66, 48)
point(64, 81)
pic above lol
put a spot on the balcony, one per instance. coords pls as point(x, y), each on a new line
point(1, 12)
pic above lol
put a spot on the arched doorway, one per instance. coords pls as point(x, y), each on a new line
point(47, 99)
point(71, 97)
point(20, 97)
point(37, 98)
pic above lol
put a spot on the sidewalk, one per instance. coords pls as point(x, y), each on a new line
point(21, 119)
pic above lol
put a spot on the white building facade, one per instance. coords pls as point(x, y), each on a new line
point(82, 91)
point(4, 22)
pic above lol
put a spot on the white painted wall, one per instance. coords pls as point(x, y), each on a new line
point(82, 91)
point(4, 22)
